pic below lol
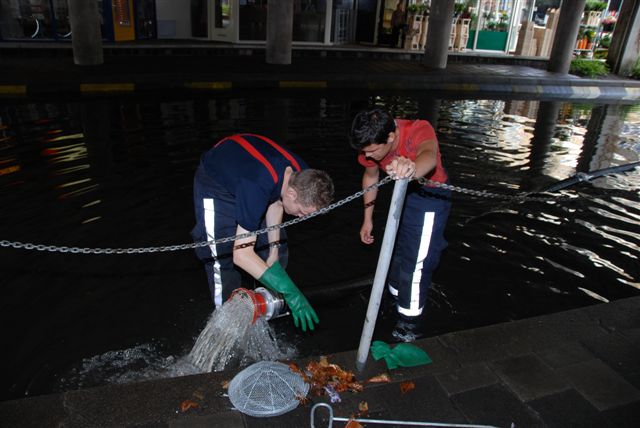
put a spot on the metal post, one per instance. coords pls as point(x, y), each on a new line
point(393, 221)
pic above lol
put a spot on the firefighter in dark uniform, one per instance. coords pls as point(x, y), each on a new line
point(405, 149)
point(244, 183)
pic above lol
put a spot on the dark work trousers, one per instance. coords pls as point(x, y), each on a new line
point(397, 35)
point(419, 243)
point(215, 219)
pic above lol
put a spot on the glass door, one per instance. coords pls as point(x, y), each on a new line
point(27, 20)
point(253, 20)
point(223, 20)
point(145, 17)
point(366, 21)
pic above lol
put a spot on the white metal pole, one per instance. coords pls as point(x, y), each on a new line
point(393, 221)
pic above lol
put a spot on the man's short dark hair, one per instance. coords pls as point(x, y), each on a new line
point(314, 187)
point(371, 127)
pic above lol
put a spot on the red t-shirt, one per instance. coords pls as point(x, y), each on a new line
point(412, 133)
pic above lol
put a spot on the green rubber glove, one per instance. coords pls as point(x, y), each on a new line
point(275, 278)
point(403, 355)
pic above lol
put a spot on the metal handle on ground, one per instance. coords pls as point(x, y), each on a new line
point(389, 422)
point(393, 221)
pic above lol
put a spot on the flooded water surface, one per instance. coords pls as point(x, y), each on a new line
point(117, 173)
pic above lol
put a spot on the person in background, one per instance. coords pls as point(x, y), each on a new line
point(244, 183)
point(398, 25)
point(405, 149)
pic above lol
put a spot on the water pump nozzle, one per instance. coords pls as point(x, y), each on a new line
point(266, 303)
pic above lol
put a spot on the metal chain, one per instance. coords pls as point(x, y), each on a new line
point(78, 250)
point(167, 248)
point(520, 197)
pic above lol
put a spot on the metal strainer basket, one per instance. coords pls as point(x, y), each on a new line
point(267, 388)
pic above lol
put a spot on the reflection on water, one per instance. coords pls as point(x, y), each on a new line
point(117, 173)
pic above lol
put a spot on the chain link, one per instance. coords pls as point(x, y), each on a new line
point(520, 197)
point(169, 248)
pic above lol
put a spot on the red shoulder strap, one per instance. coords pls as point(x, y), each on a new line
point(253, 152)
point(279, 148)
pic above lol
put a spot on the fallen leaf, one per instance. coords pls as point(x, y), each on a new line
point(295, 369)
point(225, 384)
point(381, 378)
point(363, 409)
point(199, 394)
point(353, 424)
point(303, 399)
point(324, 374)
point(407, 386)
point(187, 405)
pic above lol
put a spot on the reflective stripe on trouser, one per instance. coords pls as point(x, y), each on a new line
point(214, 222)
point(213, 268)
point(214, 212)
point(419, 243)
point(215, 219)
point(222, 275)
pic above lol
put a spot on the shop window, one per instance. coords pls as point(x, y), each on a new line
point(222, 13)
point(145, 19)
point(63, 25)
point(12, 21)
point(199, 18)
point(309, 20)
point(26, 19)
point(253, 20)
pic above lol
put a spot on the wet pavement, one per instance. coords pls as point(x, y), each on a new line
point(42, 69)
point(570, 369)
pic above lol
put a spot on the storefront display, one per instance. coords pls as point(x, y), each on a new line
point(309, 20)
point(49, 20)
point(27, 19)
point(253, 20)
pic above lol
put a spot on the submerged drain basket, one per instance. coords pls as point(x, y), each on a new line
point(267, 388)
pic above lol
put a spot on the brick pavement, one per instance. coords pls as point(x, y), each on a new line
point(570, 369)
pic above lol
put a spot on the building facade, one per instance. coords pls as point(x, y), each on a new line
point(41, 20)
point(480, 25)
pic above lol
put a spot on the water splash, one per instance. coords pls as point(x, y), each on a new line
point(141, 362)
point(230, 334)
point(230, 338)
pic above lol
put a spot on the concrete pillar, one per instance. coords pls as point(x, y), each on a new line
point(86, 37)
point(601, 144)
point(590, 140)
point(438, 34)
point(625, 43)
point(566, 34)
point(279, 32)
point(543, 132)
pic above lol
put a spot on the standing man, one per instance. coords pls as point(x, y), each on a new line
point(405, 149)
point(245, 183)
point(397, 25)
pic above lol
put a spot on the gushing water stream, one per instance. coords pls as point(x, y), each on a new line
point(230, 336)
point(231, 333)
